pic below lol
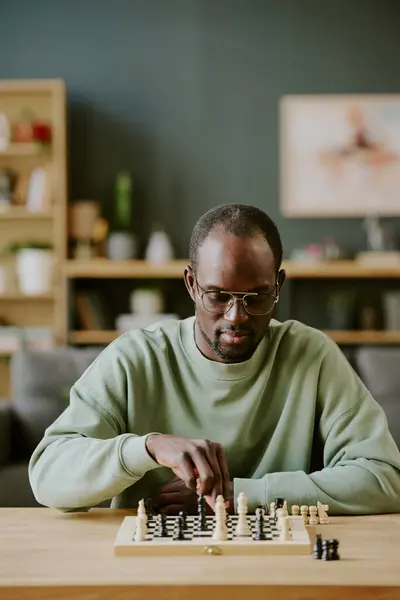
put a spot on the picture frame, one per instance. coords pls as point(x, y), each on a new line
point(340, 155)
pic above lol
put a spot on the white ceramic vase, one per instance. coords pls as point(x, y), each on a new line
point(35, 271)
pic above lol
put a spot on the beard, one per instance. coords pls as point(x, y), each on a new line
point(231, 352)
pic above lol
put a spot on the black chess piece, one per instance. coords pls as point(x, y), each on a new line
point(325, 550)
point(317, 551)
point(201, 514)
point(279, 502)
point(183, 516)
point(333, 550)
point(260, 534)
point(162, 530)
point(148, 503)
point(179, 533)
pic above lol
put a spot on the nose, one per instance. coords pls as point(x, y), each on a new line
point(237, 313)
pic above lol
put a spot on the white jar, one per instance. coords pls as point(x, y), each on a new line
point(35, 271)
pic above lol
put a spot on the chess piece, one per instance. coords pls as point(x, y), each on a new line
point(295, 510)
point(272, 510)
point(162, 530)
point(201, 514)
point(284, 535)
point(333, 550)
point(140, 530)
point(317, 550)
point(285, 509)
point(322, 514)
point(220, 507)
point(183, 515)
point(141, 511)
point(242, 527)
point(313, 519)
point(279, 502)
point(220, 532)
point(179, 533)
point(304, 513)
point(148, 503)
point(325, 550)
point(279, 515)
point(260, 534)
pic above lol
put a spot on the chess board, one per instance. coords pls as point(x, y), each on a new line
point(201, 542)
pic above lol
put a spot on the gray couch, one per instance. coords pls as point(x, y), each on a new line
point(40, 385)
point(41, 381)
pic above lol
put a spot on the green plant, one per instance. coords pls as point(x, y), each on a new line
point(14, 247)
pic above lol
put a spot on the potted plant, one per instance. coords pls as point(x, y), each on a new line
point(34, 266)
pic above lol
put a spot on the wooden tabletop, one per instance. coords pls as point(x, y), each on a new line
point(45, 554)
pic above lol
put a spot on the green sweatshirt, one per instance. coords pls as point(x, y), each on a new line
point(295, 421)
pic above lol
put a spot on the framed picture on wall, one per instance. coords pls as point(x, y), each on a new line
point(340, 155)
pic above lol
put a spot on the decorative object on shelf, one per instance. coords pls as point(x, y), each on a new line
point(391, 310)
point(315, 253)
point(369, 319)
point(34, 266)
point(159, 248)
point(125, 323)
point(340, 155)
point(7, 182)
point(147, 301)
point(83, 216)
point(38, 196)
point(5, 132)
point(121, 243)
point(340, 309)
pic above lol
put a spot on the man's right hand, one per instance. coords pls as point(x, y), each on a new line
point(201, 464)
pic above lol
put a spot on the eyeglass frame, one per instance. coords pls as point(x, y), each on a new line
point(235, 298)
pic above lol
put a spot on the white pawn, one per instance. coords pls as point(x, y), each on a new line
point(295, 510)
point(284, 535)
point(280, 515)
point(141, 511)
point(220, 531)
point(304, 513)
point(313, 520)
point(323, 517)
point(242, 527)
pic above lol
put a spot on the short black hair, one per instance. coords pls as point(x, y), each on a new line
point(240, 220)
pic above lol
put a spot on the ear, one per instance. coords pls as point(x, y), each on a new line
point(280, 280)
point(189, 281)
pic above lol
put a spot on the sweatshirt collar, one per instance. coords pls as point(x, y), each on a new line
point(214, 369)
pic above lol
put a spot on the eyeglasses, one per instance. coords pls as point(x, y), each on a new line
point(220, 302)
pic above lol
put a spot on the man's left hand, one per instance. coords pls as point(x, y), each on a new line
point(174, 496)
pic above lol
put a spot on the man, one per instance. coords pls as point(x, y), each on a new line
point(227, 401)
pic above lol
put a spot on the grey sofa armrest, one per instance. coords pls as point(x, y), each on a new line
point(5, 424)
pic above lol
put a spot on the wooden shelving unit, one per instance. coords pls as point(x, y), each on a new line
point(46, 99)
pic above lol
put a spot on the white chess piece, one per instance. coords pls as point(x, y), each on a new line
point(141, 511)
point(272, 509)
point(141, 530)
point(220, 532)
point(323, 517)
point(304, 513)
point(295, 510)
point(280, 515)
point(285, 510)
point(313, 520)
point(284, 535)
point(242, 527)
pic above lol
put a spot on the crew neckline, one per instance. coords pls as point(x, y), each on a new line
point(212, 368)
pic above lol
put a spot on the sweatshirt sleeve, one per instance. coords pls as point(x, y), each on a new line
point(360, 461)
point(86, 456)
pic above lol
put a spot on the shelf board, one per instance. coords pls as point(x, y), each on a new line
point(129, 269)
point(99, 268)
point(340, 337)
point(20, 213)
point(17, 297)
point(365, 337)
point(24, 149)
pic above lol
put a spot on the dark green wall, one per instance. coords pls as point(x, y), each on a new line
point(184, 93)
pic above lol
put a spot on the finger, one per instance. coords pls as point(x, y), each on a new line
point(213, 459)
point(205, 479)
point(224, 471)
point(186, 471)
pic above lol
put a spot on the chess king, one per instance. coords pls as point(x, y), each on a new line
point(226, 401)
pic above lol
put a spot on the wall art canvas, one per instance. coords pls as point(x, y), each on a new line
point(340, 155)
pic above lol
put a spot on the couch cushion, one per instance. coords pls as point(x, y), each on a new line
point(379, 368)
point(41, 381)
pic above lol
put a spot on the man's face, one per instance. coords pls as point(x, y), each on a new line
point(237, 264)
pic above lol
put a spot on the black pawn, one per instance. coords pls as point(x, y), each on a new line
point(179, 533)
point(162, 530)
point(333, 550)
point(183, 516)
point(201, 514)
point(260, 534)
point(325, 550)
point(317, 553)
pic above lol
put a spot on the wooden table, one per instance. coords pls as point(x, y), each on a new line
point(45, 554)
